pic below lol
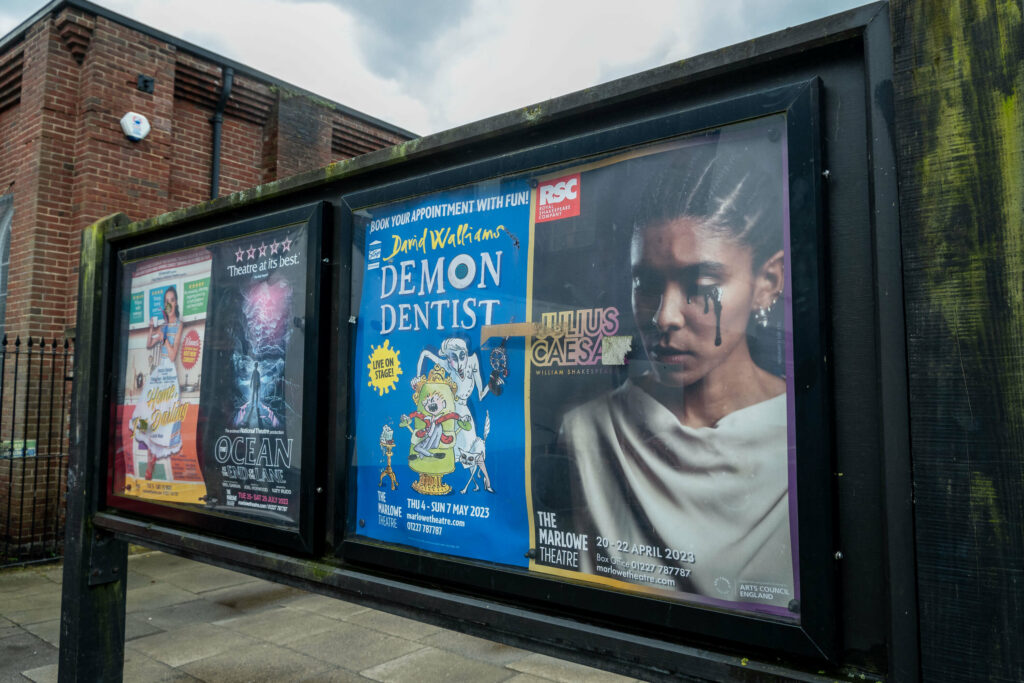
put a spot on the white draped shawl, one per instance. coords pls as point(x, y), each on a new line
point(720, 493)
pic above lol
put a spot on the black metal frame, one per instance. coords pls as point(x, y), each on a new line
point(873, 619)
point(814, 636)
point(223, 523)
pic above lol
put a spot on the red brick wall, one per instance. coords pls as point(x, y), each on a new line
point(241, 155)
point(32, 514)
point(67, 163)
point(63, 148)
point(190, 154)
point(9, 121)
point(303, 135)
point(113, 173)
point(43, 159)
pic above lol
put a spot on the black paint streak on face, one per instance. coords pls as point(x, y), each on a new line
point(714, 295)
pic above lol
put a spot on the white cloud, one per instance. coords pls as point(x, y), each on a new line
point(528, 51)
point(496, 57)
point(306, 44)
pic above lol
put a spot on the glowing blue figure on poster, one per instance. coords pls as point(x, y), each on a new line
point(259, 358)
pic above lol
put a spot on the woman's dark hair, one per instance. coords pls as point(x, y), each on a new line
point(732, 181)
point(173, 288)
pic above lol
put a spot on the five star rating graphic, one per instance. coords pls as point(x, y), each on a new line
point(250, 253)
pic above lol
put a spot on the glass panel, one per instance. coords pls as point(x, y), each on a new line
point(210, 401)
point(588, 373)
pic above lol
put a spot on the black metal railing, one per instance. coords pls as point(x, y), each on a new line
point(35, 396)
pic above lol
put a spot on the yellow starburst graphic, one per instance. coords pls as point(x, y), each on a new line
point(384, 368)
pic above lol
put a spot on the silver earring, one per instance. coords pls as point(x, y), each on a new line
point(761, 314)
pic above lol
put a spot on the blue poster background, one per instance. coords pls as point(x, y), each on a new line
point(156, 303)
point(438, 268)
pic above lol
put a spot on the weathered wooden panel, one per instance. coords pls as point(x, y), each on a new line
point(959, 81)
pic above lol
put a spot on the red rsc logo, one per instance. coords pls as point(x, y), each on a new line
point(558, 198)
point(190, 350)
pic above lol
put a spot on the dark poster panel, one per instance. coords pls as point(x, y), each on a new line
point(213, 376)
point(663, 455)
point(252, 434)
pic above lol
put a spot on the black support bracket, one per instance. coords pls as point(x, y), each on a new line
point(106, 557)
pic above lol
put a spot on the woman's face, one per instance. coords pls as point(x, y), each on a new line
point(691, 287)
point(170, 302)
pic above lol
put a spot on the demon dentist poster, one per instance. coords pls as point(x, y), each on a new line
point(439, 441)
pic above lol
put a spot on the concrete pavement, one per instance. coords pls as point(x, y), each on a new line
point(188, 621)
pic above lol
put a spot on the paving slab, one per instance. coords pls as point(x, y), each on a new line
point(339, 675)
point(42, 674)
point(8, 627)
point(139, 667)
point(184, 613)
point(23, 582)
point(50, 597)
point(188, 644)
point(24, 651)
point(257, 663)
point(54, 573)
point(353, 647)
point(527, 678)
point(33, 608)
point(34, 616)
point(393, 624)
point(431, 665)
point(475, 648)
point(157, 564)
point(560, 670)
point(326, 607)
point(136, 626)
point(200, 578)
point(139, 580)
point(155, 596)
point(254, 596)
point(189, 622)
point(280, 626)
point(46, 630)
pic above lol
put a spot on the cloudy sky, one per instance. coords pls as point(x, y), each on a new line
point(429, 65)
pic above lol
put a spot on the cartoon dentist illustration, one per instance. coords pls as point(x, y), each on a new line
point(464, 368)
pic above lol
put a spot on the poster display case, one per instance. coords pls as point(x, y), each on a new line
point(617, 378)
point(603, 376)
point(215, 357)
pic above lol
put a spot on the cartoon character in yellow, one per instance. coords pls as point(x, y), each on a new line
point(433, 426)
